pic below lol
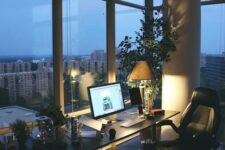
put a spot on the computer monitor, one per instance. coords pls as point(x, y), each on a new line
point(105, 99)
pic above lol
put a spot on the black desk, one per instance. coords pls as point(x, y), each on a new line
point(121, 132)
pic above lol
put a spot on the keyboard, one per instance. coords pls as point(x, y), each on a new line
point(131, 122)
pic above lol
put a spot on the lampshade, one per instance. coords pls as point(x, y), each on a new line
point(141, 71)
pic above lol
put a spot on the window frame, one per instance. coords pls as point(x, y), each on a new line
point(211, 2)
point(110, 45)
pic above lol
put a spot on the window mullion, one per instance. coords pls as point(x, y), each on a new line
point(57, 52)
point(110, 23)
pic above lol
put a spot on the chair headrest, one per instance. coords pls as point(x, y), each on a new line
point(205, 96)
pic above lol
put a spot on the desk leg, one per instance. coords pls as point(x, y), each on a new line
point(149, 138)
point(154, 138)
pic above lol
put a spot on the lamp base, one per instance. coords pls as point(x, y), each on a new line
point(147, 106)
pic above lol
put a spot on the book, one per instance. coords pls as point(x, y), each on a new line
point(155, 112)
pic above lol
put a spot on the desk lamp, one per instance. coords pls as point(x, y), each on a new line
point(141, 72)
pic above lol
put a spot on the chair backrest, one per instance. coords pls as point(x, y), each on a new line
point(202, 115)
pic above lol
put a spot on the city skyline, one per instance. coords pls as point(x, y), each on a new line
point(33, 80)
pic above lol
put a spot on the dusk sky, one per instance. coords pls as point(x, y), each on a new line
point(26, 26)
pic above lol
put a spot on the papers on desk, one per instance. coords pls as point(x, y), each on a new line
point(89, 122)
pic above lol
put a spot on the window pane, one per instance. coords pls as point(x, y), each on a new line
point(157, 2)
point(84, 40)
point(26, 73)
point(213, 51)
point(128, 22)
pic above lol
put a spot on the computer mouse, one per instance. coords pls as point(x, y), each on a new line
point(112, 133)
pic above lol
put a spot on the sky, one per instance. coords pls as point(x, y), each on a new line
point(213, 29)
point(26, 26)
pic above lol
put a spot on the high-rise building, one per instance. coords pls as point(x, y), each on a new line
point(42, 86)
point(20, 81)
point(43, 65)
point(21, 66)
point(2, 80)
point(50, 82)
point(215, 68)
point(202, 60)
point(11, 86)
point(98, 66)
point(24, 85)
point(12, 67)
point(2, 68)
point(9, 68)
point(98, 55)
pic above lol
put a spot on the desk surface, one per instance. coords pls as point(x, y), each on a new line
point(123, 132)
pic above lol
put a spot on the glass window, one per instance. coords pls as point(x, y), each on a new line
point(157, 2)
point(128, 22)
point(84, 49)
point(212, 61)
point(139, 2)
point(26, 73)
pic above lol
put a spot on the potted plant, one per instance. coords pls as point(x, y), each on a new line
point(54, 112)
point(152, 43)
point(21, 132)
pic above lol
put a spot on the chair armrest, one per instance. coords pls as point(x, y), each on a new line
point(167, 122)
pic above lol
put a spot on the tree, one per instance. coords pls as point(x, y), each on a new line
point(21, 131)
point(152, 43)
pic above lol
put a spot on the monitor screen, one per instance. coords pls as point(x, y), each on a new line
point(105, 99)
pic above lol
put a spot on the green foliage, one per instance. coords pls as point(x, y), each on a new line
point(152, 43)
point(152, 88)
point(21, 131)
point(54, 112)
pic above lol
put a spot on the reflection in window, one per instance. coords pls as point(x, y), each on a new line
point(212, 60)
point(84, 51)
point(128, 22)
point(26, 73)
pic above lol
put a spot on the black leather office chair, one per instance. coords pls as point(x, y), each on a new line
point(198, 125)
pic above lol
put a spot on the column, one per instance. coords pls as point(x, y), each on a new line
point(181, 74)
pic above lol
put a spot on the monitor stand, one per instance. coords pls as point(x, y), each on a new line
point(109, 119)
